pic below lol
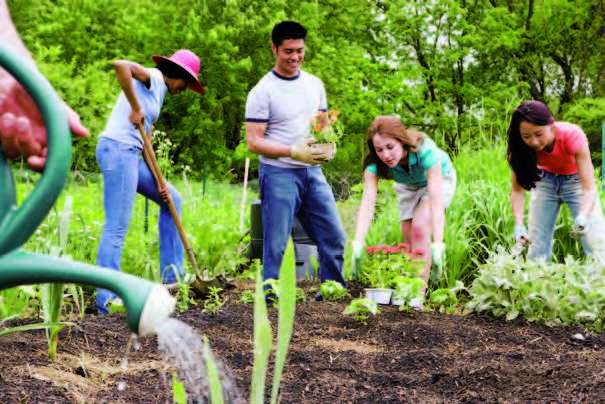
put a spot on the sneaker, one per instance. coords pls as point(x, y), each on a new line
point(115, 305)
point(102, 299)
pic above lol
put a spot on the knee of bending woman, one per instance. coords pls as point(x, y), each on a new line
point(420, 235)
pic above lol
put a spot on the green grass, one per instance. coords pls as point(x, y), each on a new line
point(211, 220)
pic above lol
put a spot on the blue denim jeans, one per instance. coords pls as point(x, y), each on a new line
point(303, 192)
point(124, 174)
point(545, 201)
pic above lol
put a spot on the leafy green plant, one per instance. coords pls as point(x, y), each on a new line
point(183, 299)
point(407, 289)
point(300, 295)
point(52, 301)
point(247, 297)
point(379, 268)
point(326, 128)
point(444, 300)
point(332, 290)
point(570, 293)
point(361, 308)
point(213, 303)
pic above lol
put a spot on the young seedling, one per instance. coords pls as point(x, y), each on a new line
point(300, 295)
point(213, 303)
point(361, 308)
point(247, 297)
point(332, 290)
point(183, 300)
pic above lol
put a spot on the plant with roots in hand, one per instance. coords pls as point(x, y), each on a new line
point(325, 128)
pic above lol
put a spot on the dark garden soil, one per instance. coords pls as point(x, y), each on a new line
point(396, 357)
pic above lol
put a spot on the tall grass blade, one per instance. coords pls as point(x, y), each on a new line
point(262, 342)
point(214, 380)
point(287, 308)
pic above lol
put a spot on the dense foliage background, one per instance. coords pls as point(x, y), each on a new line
point(454, 68)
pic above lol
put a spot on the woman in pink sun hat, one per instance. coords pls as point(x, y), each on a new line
point(119, 155)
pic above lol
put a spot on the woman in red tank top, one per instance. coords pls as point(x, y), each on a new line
point(552, 160)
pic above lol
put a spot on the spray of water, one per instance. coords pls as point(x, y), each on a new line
point(185, 351)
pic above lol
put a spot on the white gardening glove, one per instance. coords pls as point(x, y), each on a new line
point(438, 258)
point(357, 249)
point(438, 254)
point(302, 151)
point(580, 226)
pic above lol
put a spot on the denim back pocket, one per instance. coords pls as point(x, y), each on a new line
point(110, 153)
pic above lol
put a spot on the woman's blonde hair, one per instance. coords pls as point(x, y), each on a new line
point(390, 126)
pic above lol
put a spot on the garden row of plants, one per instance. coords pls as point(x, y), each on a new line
point(477, 223)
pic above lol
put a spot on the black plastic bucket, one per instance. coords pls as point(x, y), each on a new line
point(299, 236)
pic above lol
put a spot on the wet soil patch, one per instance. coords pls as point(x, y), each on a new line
point(396, 357)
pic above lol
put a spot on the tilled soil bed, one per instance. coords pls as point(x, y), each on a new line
point(396, 357)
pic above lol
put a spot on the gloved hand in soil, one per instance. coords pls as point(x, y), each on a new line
point(302, 151)
point(438, 256)
point(357, 249)
point(580, 226)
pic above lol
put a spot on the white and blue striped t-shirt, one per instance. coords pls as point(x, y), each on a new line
point(151, 99)
point(287, 105)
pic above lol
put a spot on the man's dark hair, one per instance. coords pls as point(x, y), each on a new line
point(173, 71)
point(287, 30)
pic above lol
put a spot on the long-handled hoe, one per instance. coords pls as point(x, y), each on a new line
point(152, 163)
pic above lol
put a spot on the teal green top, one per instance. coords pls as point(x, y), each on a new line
point(418, 164)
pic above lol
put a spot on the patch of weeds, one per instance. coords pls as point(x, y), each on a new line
point(213, 304)
point(247, 297)
point(183, 299)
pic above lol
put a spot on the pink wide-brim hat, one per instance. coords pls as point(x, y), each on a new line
point(187, 60)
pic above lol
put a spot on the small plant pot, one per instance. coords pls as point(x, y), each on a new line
point(328, 148)
point(379, 295)
point(396, 301)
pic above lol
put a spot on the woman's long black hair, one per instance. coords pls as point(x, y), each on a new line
point(523, 159)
